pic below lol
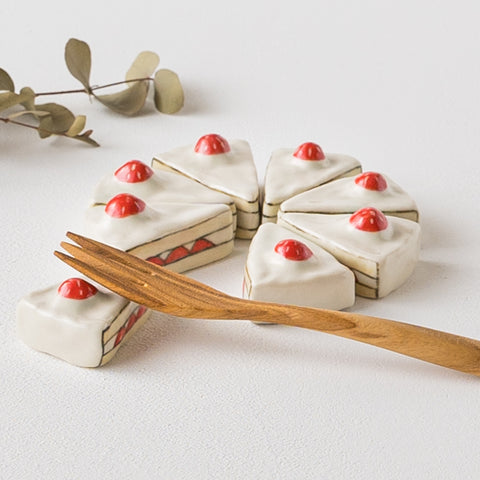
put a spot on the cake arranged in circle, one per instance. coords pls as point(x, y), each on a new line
point(347, 195)
point(223, 165)
point(284, 267)
point(176, 235)
point(77, 322)
point(292, 171)
point(381, 251)
point(137, 178)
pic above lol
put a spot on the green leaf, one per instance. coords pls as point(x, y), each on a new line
point(28, 98)
point(8, 100)
point(79, 61)
point(128, 101)
point(6, 82)
point(169, 95)
point(77, 126)
point(143, 66)
point(59, 120)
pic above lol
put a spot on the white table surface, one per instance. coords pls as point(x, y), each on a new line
point(395, 84)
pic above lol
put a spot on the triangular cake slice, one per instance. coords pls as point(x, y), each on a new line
point(179, 236)
point(292, 171)
point(285, 267)
point(155, 187)
point(225, 166)
point(381, 251)
point(347, 195)
point(77, 322)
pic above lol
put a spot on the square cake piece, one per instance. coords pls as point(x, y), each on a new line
point(381, 251)
point(77, 322)
point(157, 187)
point(284, 267)
point(179, 236)
point(225, 166)
point(292, 171)
point(347, 195)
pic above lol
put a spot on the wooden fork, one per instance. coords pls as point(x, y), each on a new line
point(173, 293)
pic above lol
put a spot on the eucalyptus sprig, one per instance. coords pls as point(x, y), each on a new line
point(55, 119)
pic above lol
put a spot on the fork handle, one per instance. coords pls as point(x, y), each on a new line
point(433, 346)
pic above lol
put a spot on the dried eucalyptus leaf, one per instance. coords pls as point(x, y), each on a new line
point(79, 61)
point(143, 66)
point(6, 82)
point(169, 95)
point(28, 98)
point(9, 99)
point(128, 101)
point(77, 126)
point(59, 120)
point(85, 137)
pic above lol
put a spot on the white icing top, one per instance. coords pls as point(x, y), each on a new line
point(337, 230)
point(149, 225)
point(162, 187)
point(267, 266)
point(287, 175)
point(232, 172)
point(345, 196)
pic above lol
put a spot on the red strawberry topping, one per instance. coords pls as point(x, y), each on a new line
point(176, 254)
point(369, 219)
point(123, 205)
point(76, 289)
point(212, 144)
point(293, 250)
point(372, 181)
point(309, 151)
point(133, 172)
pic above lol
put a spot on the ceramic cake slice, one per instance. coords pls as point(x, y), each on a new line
point(381, 251)
point(178, 236)
point(285, 267)
point(77, 322)
point(347, 195)
point(224, 166)
point(292, 171)
point(138, 179)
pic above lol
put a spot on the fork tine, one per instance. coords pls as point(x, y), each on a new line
point(110, 278)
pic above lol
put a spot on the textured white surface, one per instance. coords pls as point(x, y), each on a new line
point(395, 84)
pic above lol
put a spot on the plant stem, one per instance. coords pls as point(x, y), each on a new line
point(92, 89)
point(85, 137)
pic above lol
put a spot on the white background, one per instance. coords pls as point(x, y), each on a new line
point(395, 84)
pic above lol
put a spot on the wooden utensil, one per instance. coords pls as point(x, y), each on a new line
point(173, 293)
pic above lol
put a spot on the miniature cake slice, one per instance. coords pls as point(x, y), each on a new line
point(225, 166)
point(177, 235)
point(381, 251)
point(138, 179)
point(284, 267)
point(77, 322)
point(293, 171)
point(347, 195)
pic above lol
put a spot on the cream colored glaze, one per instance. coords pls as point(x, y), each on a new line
point(320, 281)
point(389, 256)
point(345, 196)
point(233, 173)
point(162, 187)
point(152, 224)
point(66, 328)
point(287, 175)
